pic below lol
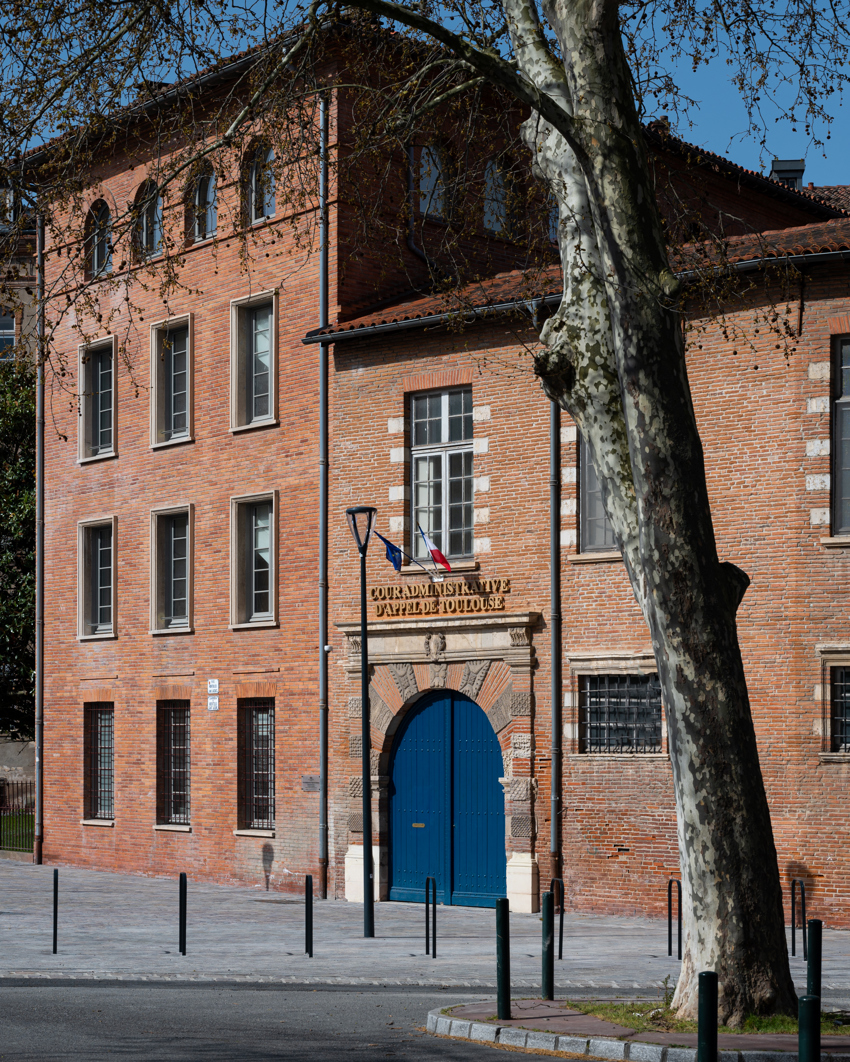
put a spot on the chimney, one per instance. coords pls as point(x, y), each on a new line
point(789, 172)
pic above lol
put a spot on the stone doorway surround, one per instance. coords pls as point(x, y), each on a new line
point(491, 659)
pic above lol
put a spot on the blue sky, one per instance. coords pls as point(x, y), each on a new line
point(721, 119)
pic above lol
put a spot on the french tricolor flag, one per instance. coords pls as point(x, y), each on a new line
point(436, 556)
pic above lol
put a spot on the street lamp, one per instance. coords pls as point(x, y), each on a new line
point(361, 520)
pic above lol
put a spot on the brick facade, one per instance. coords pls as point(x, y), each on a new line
point(762, 429)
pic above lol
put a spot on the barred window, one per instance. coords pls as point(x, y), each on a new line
point(172, 763)
point(840, 729)
point(442, 472)
point(256, 763)
point(99, 748)
point(619, 713)
point(595, 531)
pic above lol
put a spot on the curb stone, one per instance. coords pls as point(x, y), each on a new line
point(609, 1049)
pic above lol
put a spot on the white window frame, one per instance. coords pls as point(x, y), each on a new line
point(239, 311)
point(159, 329)
point(157, 590)
point(239, 616)
point(84, 528)
point(445, 449)
point(84, 451)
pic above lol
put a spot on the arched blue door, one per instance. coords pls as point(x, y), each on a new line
point(447, 807)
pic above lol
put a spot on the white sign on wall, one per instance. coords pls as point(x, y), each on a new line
point(212, 704)
point(212, 686)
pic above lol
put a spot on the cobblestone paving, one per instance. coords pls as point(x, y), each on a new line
point(125, 926)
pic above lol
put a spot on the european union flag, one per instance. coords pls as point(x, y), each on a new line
point(393, 553)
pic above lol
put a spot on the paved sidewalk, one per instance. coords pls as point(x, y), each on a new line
point(125, 926)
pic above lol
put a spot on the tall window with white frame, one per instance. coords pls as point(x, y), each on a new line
point(619, 713)
point(841, 437)
point(173, 775)
point(441, 459)
point(175, 569)
point(595, 531)
point(261, 184)
point(258, 363)
point(100, 239)
point(97, 403)
point(256, 764)
point(99, 753)
point(259, 558)
point(253, 571)
point(148, 231)
point(175, 397)
point(98, 562)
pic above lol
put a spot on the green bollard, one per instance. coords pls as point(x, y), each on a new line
point(707, 1015)
point(503, 960)
point(813, 970)
point(548, 975)
point(809, 1036)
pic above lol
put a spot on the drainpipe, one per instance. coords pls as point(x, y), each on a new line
point(555, 621)
point(39, 552)
point(324, 648)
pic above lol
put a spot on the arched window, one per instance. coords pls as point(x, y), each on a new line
point(495, 202)
point(99, 239)
point(148, 221)
point(261, 184)
point(432, 184)
point(205, 207)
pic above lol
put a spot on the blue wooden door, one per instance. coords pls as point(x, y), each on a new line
point(447, 810)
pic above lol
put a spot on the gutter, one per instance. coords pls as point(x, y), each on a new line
point(39, 554)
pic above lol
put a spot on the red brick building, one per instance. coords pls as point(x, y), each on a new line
point(183, 639)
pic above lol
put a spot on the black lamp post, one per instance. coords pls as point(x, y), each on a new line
point(361, 520)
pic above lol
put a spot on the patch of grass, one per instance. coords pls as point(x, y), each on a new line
point(656, 1017)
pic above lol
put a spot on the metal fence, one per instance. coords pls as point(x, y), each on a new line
point(17, 815)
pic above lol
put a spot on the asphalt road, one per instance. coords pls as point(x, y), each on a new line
point(194, 1023)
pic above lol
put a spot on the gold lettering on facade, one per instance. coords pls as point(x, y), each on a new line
point(451, 598)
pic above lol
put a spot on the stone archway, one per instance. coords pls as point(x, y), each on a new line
point(490, 659)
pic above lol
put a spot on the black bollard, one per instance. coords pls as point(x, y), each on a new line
point(813, 971)
point(503, 960)
point(548, 974)
point(428, 882)
point(809, 1035)
point(560, 905)
point(707, 1017)
point(433, 918)
point(182, 915)
point(308, 915)
point(55, 908)
point(670, 884)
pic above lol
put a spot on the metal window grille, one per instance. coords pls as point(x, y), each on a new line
point(841, 439)
point(173, 762)
point(442, 496)
point(256, 755)
point(620, 713)
point(101, 400)
point(17, 815)
point(840, 729)
point(100, 561)
point(175, 352)
point(259, 363)
point(595, 531)
point(99, 756)
point(176, 570)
